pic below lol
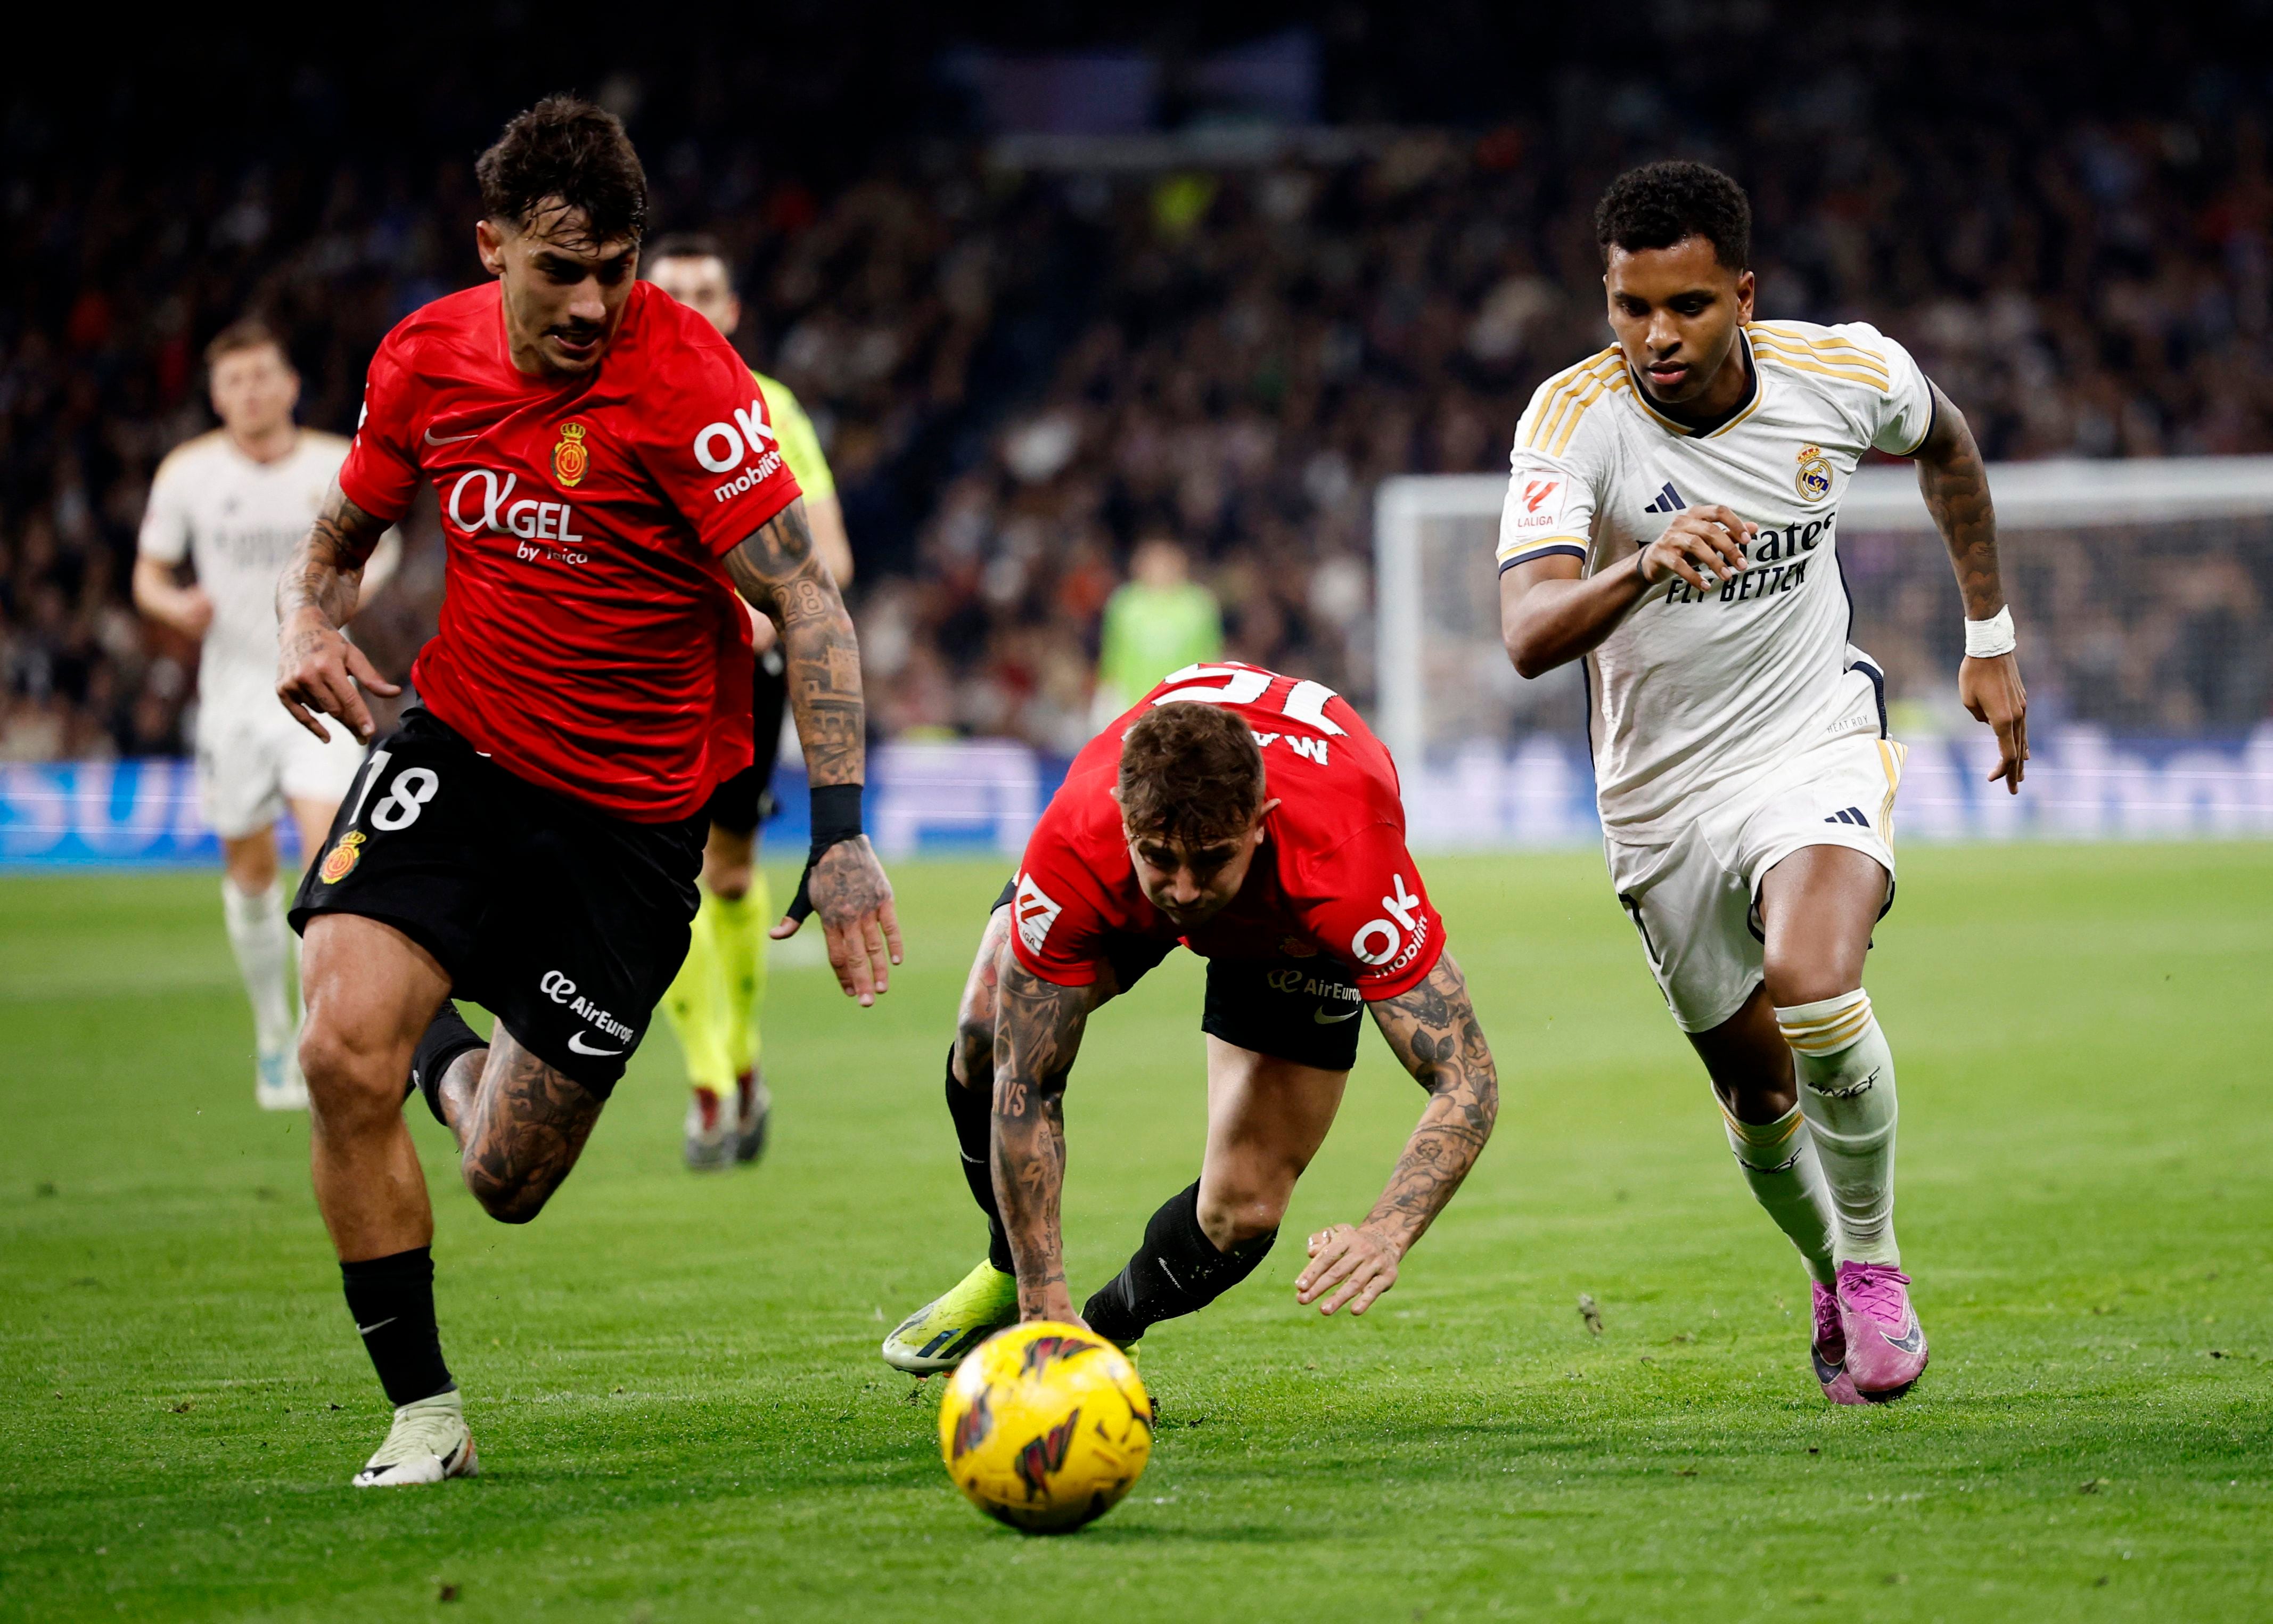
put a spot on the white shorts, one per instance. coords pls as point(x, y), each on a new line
point(252, 760)
point(1694, 899)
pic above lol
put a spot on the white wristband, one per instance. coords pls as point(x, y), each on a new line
point(1987, 639)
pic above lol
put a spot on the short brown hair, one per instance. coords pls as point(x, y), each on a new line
point(566, 149)
point(250, 333)
point(1190, 772)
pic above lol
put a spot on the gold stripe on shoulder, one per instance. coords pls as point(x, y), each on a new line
point(1568, 386)
point(1805, 363)
point(1610, 384)
point(1843, 350)
point(1576, 390)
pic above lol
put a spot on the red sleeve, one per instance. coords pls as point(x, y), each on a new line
point(1374, 914)
point(1055, 929)
point(380, 474)
point(711, 447)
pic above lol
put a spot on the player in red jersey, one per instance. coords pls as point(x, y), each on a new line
point(529, 837)
point(1255, 819)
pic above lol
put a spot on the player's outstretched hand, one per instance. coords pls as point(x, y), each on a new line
point(1703, 546)
point(1354, 1264)
point(846, 886)
point(1992, 691)
point(316, 671)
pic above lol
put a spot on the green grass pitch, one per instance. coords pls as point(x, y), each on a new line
point(681, 1416)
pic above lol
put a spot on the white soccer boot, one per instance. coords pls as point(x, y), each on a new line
point(427, 1443)
point(710, 1132)
point(277, 1083)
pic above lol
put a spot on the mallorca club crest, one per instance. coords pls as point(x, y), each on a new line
point(340, 861)
point(570, 459)
point(1814, 478)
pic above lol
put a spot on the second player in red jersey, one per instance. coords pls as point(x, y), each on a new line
point(1333, 881)
point(1255, 819)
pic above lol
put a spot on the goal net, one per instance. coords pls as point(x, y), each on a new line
point(2144, 595)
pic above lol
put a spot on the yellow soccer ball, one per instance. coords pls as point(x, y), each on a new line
point(1045, 1426)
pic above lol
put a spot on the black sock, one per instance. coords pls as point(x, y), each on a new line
point(447, 1037)
point(1176, 1271)
point(973, 1110)
point(392, 1302)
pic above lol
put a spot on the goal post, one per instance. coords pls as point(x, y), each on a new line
point(2144, 591)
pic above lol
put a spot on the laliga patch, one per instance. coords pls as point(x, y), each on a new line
point(1033, 911)
point(340, 861)
point(1536, 507)
point(570, 458)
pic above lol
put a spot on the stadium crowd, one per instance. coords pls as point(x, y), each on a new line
point(1022, 371)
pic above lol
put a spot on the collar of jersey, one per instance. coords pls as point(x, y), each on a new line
point(1738, 413)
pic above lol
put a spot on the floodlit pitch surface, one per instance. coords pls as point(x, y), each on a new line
point(673, 1379)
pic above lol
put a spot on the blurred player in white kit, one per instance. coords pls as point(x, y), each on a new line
point(233, 504)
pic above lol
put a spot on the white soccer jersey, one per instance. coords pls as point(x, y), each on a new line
point(1694, 695)
point(238, 522)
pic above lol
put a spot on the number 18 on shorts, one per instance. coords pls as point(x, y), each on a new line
point(565, 922)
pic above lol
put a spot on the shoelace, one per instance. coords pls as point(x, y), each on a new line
point(1875, 1289)
point(1828, 1333)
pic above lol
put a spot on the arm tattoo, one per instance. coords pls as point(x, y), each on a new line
point(1955, 484)
point(779, 573)
point(326, 571)
point(1434, 1030)
point(1038, 1029)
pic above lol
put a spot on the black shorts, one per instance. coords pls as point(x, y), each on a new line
point(564, 922)
point(747, 800)
point(1304, 1010)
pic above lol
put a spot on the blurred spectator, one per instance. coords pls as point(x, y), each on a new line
point(1018, 373)
point(1160, 621)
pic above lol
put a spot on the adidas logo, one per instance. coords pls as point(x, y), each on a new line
point(1669, 500)
point(1851, 815)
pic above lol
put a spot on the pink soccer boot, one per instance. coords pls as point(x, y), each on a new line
point(1886, 1345)
point(1828, 1351)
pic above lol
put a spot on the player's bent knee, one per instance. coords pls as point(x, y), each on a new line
point(1806, 980)
point(1234, 1216)
point(507, 1200)
point(345, 1071)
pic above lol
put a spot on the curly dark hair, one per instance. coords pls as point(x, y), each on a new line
point(1659, 204)
point(1190, 773)
point(569, 153)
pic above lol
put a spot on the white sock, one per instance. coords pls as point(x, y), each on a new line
point(264, 956)
point(1779, 1161)
point(1847, 1090)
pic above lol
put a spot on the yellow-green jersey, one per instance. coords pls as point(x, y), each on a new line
point(800, 447)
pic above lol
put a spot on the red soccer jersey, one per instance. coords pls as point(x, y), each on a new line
point(1332, 877)
point(591, 641)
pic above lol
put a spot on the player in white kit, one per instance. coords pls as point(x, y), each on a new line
point(1671, 518)
point(233, 504)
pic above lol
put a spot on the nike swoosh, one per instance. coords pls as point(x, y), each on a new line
point(432, 439)
point(1324, 1020)
point(1909, 1341)
point(576, 1041)
point(382, 1325)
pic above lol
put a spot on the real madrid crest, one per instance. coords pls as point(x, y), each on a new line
point(340, 861)
point(570, 459)
point(1814, 480)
